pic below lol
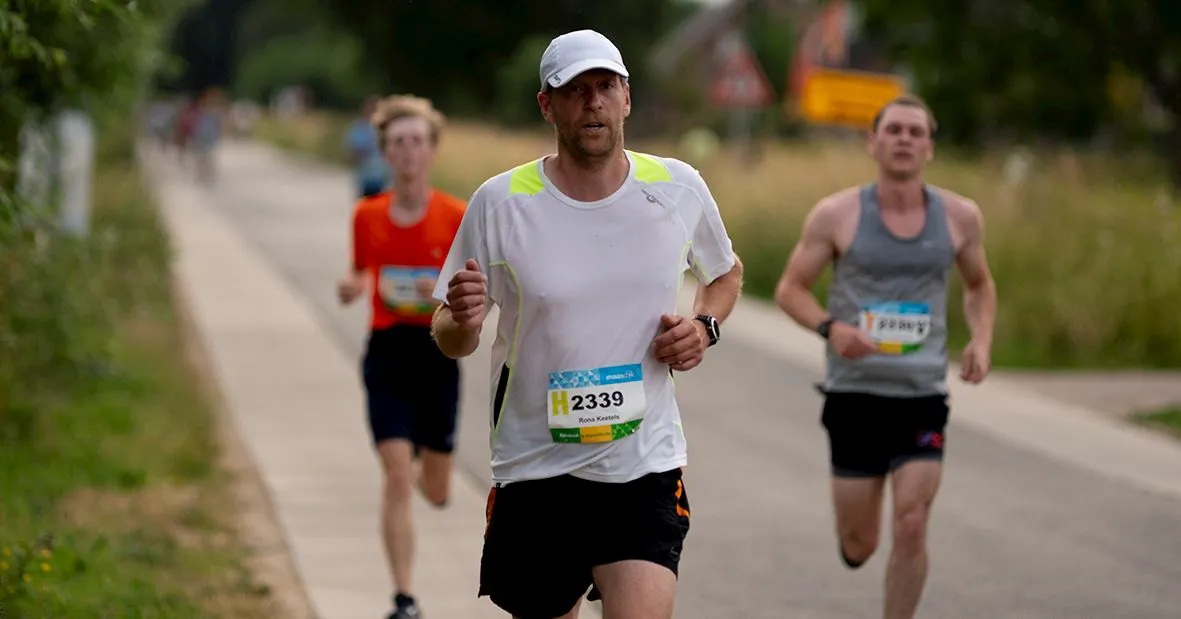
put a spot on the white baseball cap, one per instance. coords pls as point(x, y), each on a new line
point(574, 53)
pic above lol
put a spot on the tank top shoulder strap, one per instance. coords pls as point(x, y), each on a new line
point(936, 211)
point(868, 218)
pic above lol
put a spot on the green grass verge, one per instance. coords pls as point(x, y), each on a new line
point(112, 500)
point(1168, 419)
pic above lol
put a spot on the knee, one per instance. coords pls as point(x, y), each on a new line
point(910, 529)
point(436, 493)
point(398, 484)
point(858, 545)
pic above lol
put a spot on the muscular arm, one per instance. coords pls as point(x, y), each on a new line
point(979, 288)
point(453, 341)
point(719, 297)
point(808, 260)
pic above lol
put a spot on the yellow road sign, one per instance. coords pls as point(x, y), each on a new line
point(839, 97)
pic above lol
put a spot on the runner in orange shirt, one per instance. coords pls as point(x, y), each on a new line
point(400, 240)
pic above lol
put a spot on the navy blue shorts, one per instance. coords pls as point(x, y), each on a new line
point(412, 389)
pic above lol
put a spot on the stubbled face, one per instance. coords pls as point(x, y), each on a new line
point(408, 147)
point(902, 143)
point(588, 114)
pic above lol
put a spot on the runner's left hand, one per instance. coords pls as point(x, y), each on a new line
point(683, 343)
point(976, 363)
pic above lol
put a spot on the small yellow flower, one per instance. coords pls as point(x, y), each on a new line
point(45, 567)
point(28, 578)
point(7, 551)
point(3, 566)
point(45, 552)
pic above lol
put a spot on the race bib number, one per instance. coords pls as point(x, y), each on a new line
point(398, 289)
point(596, 406)
point(897, 328)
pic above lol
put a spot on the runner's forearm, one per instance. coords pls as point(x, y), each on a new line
point(719, 297)
point(453, 341)
point(800, 305)
point(980, 310)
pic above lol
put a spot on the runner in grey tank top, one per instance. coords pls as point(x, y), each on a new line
point(896, 289)
point(892, 245)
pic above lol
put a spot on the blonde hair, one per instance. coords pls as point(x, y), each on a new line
point(396, 107)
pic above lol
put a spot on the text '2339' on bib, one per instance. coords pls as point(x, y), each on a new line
point(898, 328)
point(596, 406)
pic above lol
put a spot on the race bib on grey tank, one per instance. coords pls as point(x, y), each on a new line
point(898, 328)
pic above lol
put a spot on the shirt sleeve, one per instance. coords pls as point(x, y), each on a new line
point(711, 254)
point(470, 242)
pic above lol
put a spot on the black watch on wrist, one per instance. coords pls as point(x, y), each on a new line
point(825, 327)
point(712, 329)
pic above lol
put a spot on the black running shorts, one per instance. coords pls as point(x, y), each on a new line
point(411, 388)
point(544, 536)
point(871, 435)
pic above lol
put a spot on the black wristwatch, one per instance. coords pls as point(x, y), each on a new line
point(825, 327)
point(711, 327)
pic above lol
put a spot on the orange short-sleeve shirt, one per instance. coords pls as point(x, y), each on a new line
point(395, 257)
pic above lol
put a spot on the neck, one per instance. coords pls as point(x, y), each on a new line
point(901, 194)
point(588, 180)
point(411, 193)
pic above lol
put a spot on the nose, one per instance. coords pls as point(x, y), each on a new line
point(594, 98)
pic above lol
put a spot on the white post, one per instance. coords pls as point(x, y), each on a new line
point(76, 171)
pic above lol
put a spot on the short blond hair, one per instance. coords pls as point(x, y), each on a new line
point(396, 107)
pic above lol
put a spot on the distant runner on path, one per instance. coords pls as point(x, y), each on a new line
point(371, 171)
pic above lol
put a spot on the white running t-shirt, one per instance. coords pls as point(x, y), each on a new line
point(581, 287)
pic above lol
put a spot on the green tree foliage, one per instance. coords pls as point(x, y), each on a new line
point(55, 53)
point(1020, 69)
point(54, 304)
point(282, 46)
point(454, 50)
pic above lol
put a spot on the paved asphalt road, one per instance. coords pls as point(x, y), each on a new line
point(1015, 534)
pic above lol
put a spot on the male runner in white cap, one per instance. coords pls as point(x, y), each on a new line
point(584, 252)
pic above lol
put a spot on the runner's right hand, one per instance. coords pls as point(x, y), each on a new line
point(850, 342)
point(350, 287)
point(467, 292)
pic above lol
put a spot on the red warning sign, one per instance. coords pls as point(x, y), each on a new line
point(741, 82)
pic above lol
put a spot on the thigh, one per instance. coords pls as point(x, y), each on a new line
point(857, 503)
point(636, 590)
point(534, 564)
point(857, 447)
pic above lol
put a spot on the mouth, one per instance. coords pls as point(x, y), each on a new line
point(594, 126)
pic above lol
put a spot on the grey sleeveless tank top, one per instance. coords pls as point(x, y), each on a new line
point(895, 289)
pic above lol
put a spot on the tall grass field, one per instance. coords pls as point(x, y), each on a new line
point(1086, 252)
